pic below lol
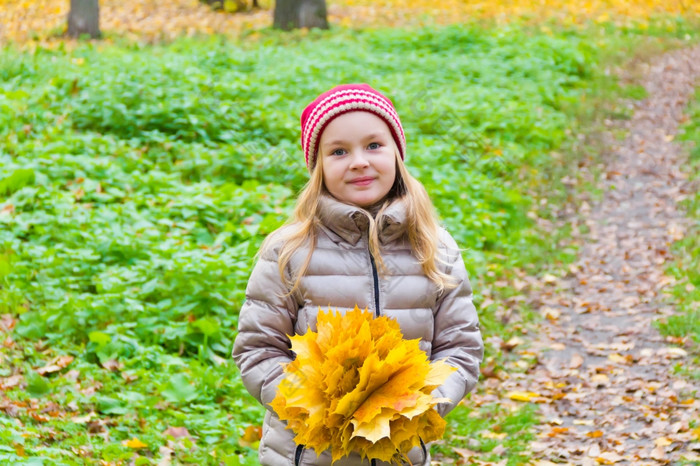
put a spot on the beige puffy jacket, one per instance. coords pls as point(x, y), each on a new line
point(342, 274)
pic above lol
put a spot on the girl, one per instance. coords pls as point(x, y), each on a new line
point(363, 232)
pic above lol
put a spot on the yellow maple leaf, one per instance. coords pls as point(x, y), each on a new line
point(522, 396)
point(134, 443)
point(663, 442)
point(356, 385)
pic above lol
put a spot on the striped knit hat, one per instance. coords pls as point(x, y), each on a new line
point(343, 99)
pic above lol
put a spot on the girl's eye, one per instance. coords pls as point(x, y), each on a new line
point(338, 152)
point(374, 145)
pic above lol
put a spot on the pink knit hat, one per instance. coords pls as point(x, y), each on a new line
point(343, 99)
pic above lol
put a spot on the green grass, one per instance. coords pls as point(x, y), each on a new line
point(685, 293)
point(483, 430)
point(137, 183)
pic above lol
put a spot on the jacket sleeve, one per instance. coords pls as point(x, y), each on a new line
point(264, 323)
point(457, 337)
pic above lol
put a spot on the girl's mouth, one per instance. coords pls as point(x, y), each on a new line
point(364, 181)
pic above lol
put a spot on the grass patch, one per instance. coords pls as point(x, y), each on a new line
point(685, 269)
point(491, 431)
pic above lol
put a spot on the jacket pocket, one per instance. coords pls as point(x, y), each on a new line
point(299, 454)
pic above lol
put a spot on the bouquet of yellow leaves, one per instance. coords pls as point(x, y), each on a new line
point(357, 385)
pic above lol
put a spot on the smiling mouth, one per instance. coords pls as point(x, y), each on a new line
point(362, 182)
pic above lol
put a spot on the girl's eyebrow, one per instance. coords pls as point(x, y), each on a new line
point(340, 142)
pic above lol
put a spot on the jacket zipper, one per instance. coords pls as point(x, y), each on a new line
point(375, 275)
point(298, 454)
point(376, 285)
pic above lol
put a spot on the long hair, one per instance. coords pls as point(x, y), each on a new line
point(422, 227)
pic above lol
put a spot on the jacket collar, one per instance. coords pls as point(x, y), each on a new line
point(350, 222)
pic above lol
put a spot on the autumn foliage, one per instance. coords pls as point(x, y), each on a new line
point(357, 385)
point(152, 20)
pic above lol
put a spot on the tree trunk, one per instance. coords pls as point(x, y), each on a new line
point(84, 18)
point(292, 14)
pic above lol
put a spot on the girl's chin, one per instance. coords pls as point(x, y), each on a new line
point(366, 202)
point(361, 198)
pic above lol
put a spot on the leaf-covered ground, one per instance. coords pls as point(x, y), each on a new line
point(137, 181)
point(35, 22)
point(605, 374)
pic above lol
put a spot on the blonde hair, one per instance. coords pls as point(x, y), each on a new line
point(422, 227)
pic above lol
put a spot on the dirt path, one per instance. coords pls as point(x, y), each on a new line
point(605, 372)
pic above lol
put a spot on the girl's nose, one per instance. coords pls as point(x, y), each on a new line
point(359, 159)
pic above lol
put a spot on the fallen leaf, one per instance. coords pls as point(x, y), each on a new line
point(696, 433)
point(83, 419)
point(557, 431)
point(166, 455)
point(612, 457)
point(489, 371)
point(129, 377)
point(550, 313)
point(134, 443)
point(614, 357)
point(675, 353)
point(576, 361)
point(38, 417)
point(512, 343)
point(55, 366)
point(112, 365)
point(522, 396)
point(494, 435)
point(499, 450)
point(97, 426)
point(11, 381)
point(658, 453)
point(600, 380)
point(662, 442)
point(465, 453)
point(177, 432)
point(7, 322)
point(251, 435)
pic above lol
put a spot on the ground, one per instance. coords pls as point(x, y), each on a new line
point(605, 374)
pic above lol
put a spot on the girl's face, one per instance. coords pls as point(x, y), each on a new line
point(359, 162)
